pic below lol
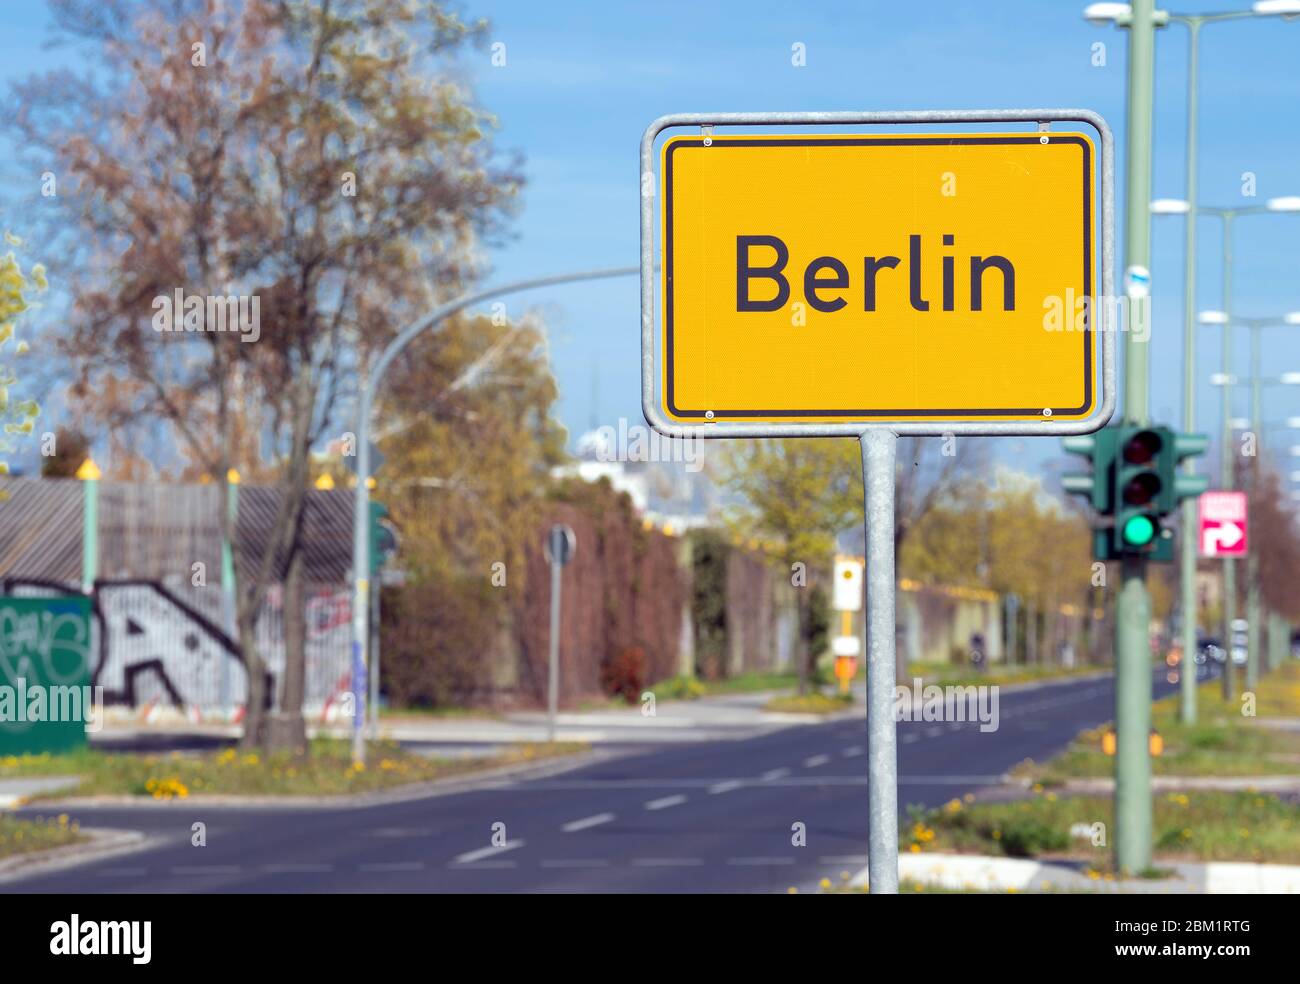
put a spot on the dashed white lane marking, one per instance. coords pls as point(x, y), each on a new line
point(933, 732)
point(667, 862)
point(843, 859)
point(575, 863)
point(759, 861)
point(593, 821)
point(725, 786)
point(909, 738)
point(391, 866)
point(483, 853)
point(295, 869)
point(775, 774)
point(122, 872)
point(665, 802)
point(206, 869)
point(813, 761)
point(400, 832)
point(481, 865)
point(853, 751)
point(954, 727)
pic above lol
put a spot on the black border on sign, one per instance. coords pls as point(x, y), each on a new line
point(678, 142)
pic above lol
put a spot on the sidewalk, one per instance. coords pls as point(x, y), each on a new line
point(717, 718)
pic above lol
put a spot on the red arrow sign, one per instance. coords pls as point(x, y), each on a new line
point(1224, 524)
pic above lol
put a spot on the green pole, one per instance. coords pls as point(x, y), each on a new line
point(1133, 807)
point(1225, 461)
point(1187, 557)
point(89, 475)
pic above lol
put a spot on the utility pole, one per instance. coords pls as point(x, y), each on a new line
point(1226, 463)
point(1133, 807)
point(1189, 548)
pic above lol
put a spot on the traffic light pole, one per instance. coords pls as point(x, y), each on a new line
point(1133, 807)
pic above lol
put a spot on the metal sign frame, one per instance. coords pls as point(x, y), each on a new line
point(1107, 370)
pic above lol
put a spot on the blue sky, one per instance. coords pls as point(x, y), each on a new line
point(582, 80)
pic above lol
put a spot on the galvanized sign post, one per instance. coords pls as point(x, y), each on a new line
point(867, 285)
point(560, 548)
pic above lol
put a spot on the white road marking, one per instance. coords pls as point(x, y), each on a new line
point(122, 872)
point(759, 861)
point(843, 859)
point(206, 869)
point(908, 739)
point(665, 803)
point(482, 865)
point(469, 857)
point(391, 866)
point(726, 786)
point(594, 821)
point(400, 832)
point(775, 774)
point(295, 869)
point(666, 862)
point(933, 732)
point(815, 760)
point(575, 863)
point(852, 751)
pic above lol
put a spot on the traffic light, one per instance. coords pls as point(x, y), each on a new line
point(383, 539)
point(1179, 485)
point(1139, 490)
point(1135, 483)
point(1098, 484)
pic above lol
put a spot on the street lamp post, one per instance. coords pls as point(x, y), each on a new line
point(1133, 807)
point(1121, 15)
point(361, 512)
point(1285, 204)
point(1255, 422)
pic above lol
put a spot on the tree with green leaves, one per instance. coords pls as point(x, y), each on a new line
point(798, 495)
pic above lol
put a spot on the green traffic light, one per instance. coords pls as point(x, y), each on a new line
point(1139, 530)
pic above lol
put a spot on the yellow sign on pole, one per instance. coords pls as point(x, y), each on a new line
point(872, 278)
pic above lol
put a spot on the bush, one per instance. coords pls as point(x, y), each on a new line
point(1028, 837)
point(436, 642)
point(623, 674)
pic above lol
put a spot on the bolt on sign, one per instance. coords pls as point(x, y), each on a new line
point(869, 278)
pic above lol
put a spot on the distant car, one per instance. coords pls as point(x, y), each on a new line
point(1210, 650)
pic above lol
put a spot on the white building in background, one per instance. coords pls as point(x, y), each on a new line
point(666, 478)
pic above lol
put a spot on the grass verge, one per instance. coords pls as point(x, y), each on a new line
point(25, 836)
point(953, 675)
point(327, 770)
point(1223, 742)
point(810, 703)
point(1193, 826)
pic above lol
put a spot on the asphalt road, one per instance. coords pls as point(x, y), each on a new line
point(710, 817)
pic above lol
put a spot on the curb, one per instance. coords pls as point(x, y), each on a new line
point(103, 843)
point(984, 873)
point(485, 779)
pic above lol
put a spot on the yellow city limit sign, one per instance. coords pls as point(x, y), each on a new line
point(872, 278)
